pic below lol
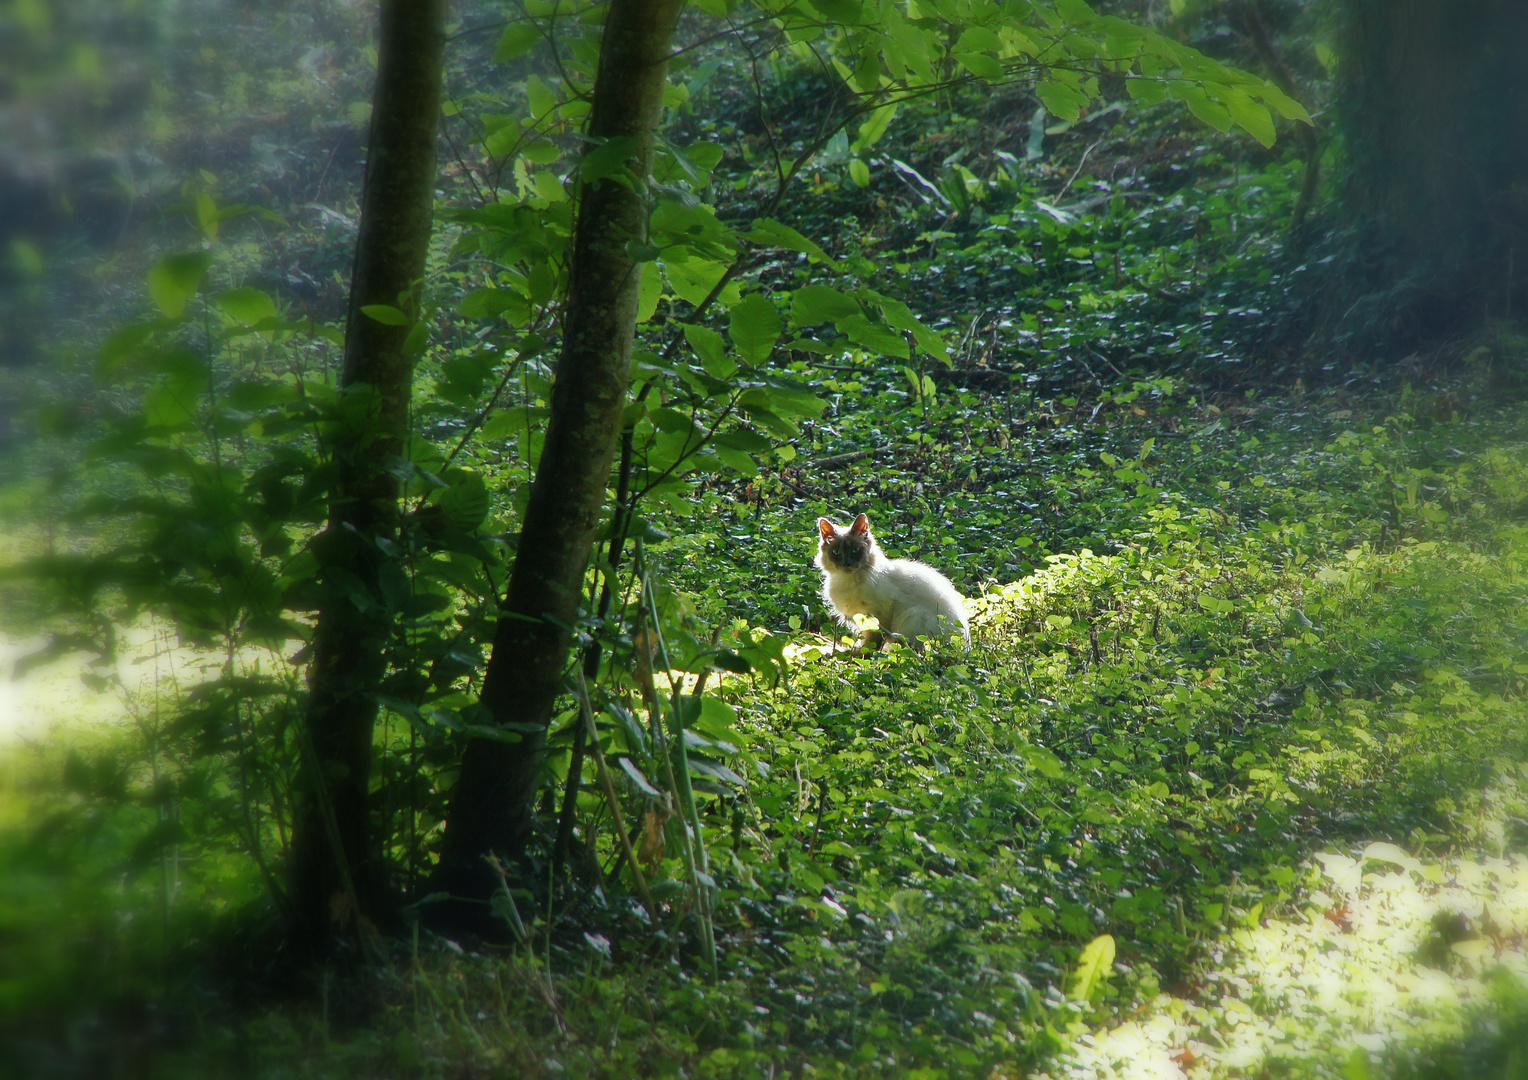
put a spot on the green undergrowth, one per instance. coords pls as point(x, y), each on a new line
point(1304, 644)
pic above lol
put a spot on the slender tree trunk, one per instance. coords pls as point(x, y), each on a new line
point(1308, 135)
point(336, 878)
point(491, 807)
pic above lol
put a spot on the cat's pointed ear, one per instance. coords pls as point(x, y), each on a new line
point(825, 527)
point(861, 525)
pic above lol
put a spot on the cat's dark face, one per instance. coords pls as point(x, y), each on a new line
point(845, 547)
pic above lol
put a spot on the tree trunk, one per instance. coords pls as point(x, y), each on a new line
point(1433, 97)
point(335, 868)
point(491, 806)
point(1308, 135)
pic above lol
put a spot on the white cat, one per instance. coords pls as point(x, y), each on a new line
point(908, 598)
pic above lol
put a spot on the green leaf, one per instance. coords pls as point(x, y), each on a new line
point(875, 338)
point(814, 304)
point(207, 213)
point(1123, 40)
point(1081, 48)
point(755, 405)
point(176, 393)
point(687, 223)
point(1093, 966)
point(706, 156)
point(542, 100)
point(979, 39)
point(1020, 42)
point(490, 303)
point(462, 377)
point(542, 152)
point(728, 660)
point(1146, 91)
point(674, 422)
point(767, 233)
point(692, 280)
point(1249, 115)
point(743, 441)
point(175, 279)
point(866, 76)
point(899, 316)
point(1383, 851)
point(517, 38)
point(737, 461)
point(1327, 57)
point(717, 718)
point(982, 66)
point(637, 777)
point(914, 380)
point(1286, 106)
point(385, 313)
point(650, 293)
point(247, 306)
point(786, 396)
point(859, 172)
point(913, 43)
point(1060, 99)
point(502, 137)
point(755, 327)
point(28, 258)
point(466, 499)
point(873, 128)
point(640, 528)
point(846, 12)
point(609, 158)
point(1044, 762)
point(708, 345)
point(549, 186)
point(1199, 103)
point(418, 338)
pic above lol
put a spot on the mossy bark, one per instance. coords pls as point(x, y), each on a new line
point(491, 807)
point(335, 869)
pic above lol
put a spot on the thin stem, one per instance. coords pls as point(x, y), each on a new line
point(617, 819)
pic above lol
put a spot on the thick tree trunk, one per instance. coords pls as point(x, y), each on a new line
point(491, 806)
point(336, 878)
point(1434, 105)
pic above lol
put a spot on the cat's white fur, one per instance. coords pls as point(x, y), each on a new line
point(908, 598)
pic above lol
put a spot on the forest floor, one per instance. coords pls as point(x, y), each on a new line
point(1243, 793)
